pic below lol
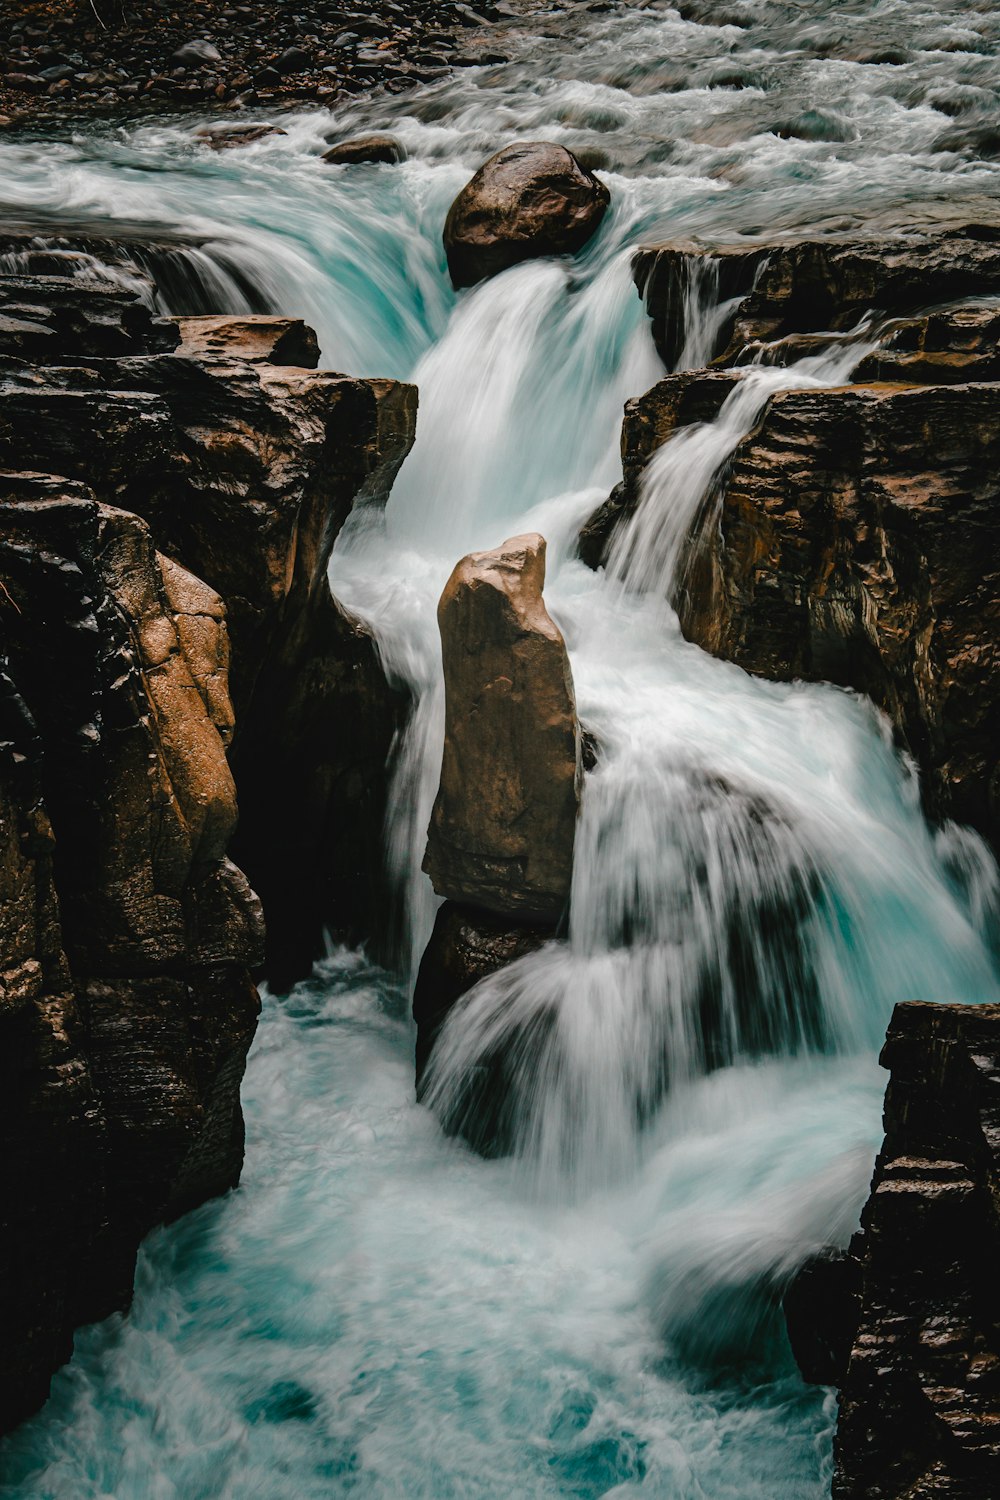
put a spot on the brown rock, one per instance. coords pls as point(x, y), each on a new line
point(529, 200)
point(857, 542)
point(365, 148)
point(920, 1395)
point(125, 944)
point(257, 340)
point(502, 831)
point(811, 285)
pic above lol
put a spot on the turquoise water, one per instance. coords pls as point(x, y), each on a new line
point(377, 1311)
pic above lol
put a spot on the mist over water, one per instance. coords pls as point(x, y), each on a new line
point(696, 1104)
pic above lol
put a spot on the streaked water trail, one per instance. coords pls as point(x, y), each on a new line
point(378, 1311)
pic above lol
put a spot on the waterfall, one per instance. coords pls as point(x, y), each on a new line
point(685, 1081)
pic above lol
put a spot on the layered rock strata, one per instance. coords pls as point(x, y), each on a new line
point(915, 1349)
point(168, 491)
point(808, 286)
point(212, 443)
point(500, 842)
point(127, 935)
point(531, 199)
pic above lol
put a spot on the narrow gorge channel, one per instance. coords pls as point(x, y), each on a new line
point(379, 1310)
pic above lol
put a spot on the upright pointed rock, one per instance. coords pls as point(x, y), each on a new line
point(501, 834)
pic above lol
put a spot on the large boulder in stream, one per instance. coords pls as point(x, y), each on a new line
point(529, 200)
point(502, 830)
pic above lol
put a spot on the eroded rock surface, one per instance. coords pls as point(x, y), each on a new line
point(920, 1389)
point(214, 444)
point(503, 826)
point(808, 286)
point(857, 541)
point(198, 489)
point(127, 934)
point(529, 200)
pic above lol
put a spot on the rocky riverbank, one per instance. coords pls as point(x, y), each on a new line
point(155, 56)
point(170, 493)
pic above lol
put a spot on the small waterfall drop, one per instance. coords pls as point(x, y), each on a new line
point(688, 1074)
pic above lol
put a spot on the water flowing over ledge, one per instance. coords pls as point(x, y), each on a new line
point(378, 1310)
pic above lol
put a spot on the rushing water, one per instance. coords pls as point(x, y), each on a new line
point(377, 1310)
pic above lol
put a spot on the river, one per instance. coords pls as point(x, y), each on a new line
point(377, 1311)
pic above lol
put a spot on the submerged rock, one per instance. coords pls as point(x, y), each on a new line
point(529, 200)
point(503, 826)
point(467, 944)
point(365, 148)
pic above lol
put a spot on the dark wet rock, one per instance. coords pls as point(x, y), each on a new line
point(949, 347)
point(126, 931)
point(292, 60)
point(531, 199)
point(920, 1393)
point(467, 944)
point(813, 285)
point(855, 541)
point(128, 1006)
point(503, 827)
point(366, 148)
point(212, 446)
point(677, 401)
point(822, 1306)
point(232, 137)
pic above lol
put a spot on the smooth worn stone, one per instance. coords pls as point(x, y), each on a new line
point(502, 830)
point(365, 148)
point(195, 54)
point(531, 199)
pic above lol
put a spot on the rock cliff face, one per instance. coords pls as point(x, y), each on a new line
point(857, 541)
point(500, 843)
point(213, 444)
point(127, 933)
point(808, 286)
point(917, 1354)
point(168, 494)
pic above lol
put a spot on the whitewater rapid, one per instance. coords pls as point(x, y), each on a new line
point(377, 1311)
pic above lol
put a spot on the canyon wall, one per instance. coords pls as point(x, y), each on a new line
point(170, 491)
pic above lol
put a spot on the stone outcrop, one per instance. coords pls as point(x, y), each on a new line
point(856, 541)
point(501, 837)
point(531, 199)
point(649, 420)
point(127, 934)
point(917, 1354)
point(502, 830)
point(168, 491)
point(213, 443)
point(808, 286)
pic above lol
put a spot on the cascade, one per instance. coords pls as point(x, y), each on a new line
point(688, 1089)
